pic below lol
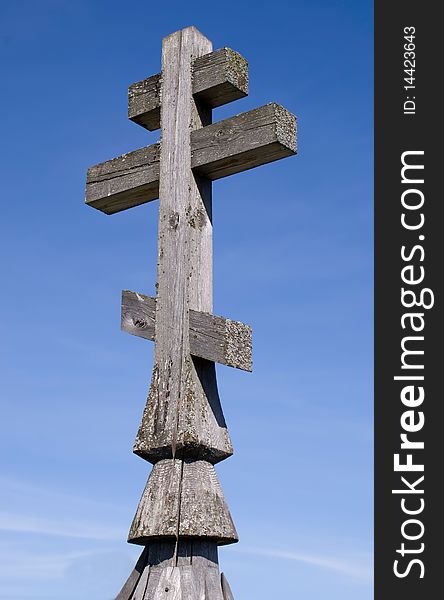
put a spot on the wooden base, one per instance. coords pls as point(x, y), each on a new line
point(183, 414)
point(184, 498)
point(187, 570)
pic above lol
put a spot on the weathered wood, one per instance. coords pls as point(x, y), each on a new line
point(184, 583)
point(177, 190)
point(183, 498)
point(219, 77)
point(188, 567)
point(139, 591)
point(124, 182)
point(213, 587)
point(185, 551)
point(254, 138)
point(192, 423)
point(144, 102)
point(220, 340)
point(126, 593)
point(228, 594)
point(191, 583)
point(138, 315)
point(183, 411)
point(154, 578)
point(169, 586)
point(251, 139)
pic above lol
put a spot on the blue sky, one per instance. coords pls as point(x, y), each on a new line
point(292, 257)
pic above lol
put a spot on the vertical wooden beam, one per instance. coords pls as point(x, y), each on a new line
point(183, 408)
point(176, 191)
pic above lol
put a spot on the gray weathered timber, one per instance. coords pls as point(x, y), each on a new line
point(130, 584)
point(142, 584)
point(144, 102)
point(213, 588)
point(185, 551)
point(192, 424)
point(183, 411)
point(189, 487)
point(182, 516)
point(188, 568)
point(221, 340)
point(169, 586)
point(248, 140)
point(226, 590)
point(254, 138)
point(218, 78)
point(124, 182)
point(217, 339)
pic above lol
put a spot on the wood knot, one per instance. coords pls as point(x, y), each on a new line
point(174, 220)
point(140, 323)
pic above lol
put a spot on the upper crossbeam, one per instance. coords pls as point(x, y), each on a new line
point(248, 140)
point(219, 77)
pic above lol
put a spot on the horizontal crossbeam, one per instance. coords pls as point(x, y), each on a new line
point(218, 78)
point(214, 338)
point(237, 144)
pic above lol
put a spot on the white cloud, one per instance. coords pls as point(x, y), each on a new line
point(91, 573)
point(358, 568)
point(29, 509)
point(21, 523)
point(20, 489)
point(22, 566)
point(361, 571)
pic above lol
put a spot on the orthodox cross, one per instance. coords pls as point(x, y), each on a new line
point(182, 516)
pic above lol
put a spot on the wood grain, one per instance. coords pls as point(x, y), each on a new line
point(248, 140)
point(217, 339)
point(144, 102)
point(254, 138)
point(183, 411)
point(139, 591)
point(218, 78)
point(188, 569)
point(190, 487)
point(169, 586)
point(124, 182)
point(126, 593)
point(227, 593)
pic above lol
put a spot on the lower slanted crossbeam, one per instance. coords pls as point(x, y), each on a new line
point(214, 338)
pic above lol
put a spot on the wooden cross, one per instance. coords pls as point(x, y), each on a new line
point(182, 515)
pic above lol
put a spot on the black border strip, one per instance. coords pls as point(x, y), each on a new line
point(398, 406)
